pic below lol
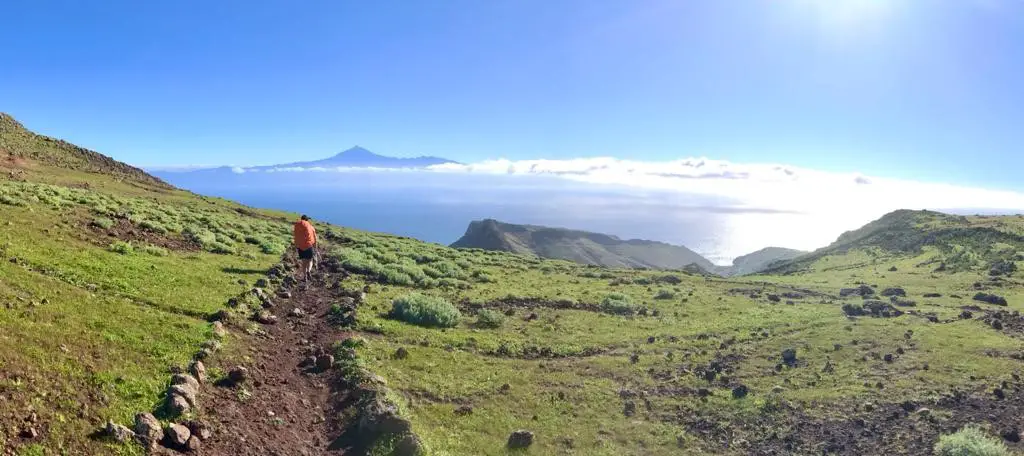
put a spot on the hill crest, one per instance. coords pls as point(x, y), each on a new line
point(20, 147)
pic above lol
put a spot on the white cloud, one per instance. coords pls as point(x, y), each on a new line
point(772, 186)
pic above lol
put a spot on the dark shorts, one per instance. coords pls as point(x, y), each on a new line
point(306, 254)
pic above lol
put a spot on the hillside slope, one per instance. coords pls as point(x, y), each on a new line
point(107, 279)
point(21, 149)
point(579, 246)
point(760, 260)
point(903, 331)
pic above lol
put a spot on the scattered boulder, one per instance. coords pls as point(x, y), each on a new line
point(888, 357)
point(401, 353)
point(297, 313)
point(238, 375)
point(177, 435)
point(774, 298)
point(894, 291)
point(324, 362)
point(200, 429)
point(966, 315)
point(198, 370)
point(118, 432)
point(261, 283)
point(1002, 267)
point(218, 329)
point(933, 295)
point(990, 299)
point(193, 445)
point(185, 379)
point(789, 356)
point(520, 439)
point(464, 410)
point(1011, 434)
point(28, 433)
point(629, 408)
point(178, 404)
point(893, 269)
point(266, 318)
point(739, 392)
point(147, 429)
point(999, 394)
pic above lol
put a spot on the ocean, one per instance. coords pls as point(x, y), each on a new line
point(437, 207)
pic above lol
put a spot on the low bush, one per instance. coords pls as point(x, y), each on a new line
point(482, 277)
point(970, 441)
point(271, 248)
point(124, 248)
point(618, 303)
point(11, 201)
point(664, 294)
point(103, 222)
point(488, 318)
point(155, 250)
point(221, 248)
point(393, 276)
point(423, 310)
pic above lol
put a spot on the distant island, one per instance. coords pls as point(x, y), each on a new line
point(355, 157)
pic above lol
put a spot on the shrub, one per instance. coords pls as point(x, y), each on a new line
point(423, 310)
point(488, 318)
point(11, 201)
point(221, 248)
point(271, 248)
point(970, 441)
point(155, 251)
point(393, 276)
point(664, 294)
point(618, 303)
point(103, 223)
point(482, 276)
point(202, 236)
point(124, 248)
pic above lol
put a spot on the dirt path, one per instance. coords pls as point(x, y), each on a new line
point(285, 406)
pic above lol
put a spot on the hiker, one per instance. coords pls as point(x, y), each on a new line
point(305, 242)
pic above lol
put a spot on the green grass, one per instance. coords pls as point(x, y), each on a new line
point(566, 366)
point(82, 317)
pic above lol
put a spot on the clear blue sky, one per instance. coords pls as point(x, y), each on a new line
point(925, 89)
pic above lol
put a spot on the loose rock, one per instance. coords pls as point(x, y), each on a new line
point(177, 435)
point(185, 379)
point(147, 428)
point(520, 439)
point(118, 432)
point(199, 429)
point(401, 353)
point(324, 362)
point(198, 370)
point(789, 356)
point(238, 374)
point(739, 392)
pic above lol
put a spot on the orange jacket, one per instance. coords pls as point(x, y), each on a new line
point(304, 235)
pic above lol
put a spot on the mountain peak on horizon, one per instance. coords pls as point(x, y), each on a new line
point(356, 151)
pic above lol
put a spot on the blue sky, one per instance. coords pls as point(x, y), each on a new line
point(927, 90)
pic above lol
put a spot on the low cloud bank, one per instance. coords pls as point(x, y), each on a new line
point(757, 187)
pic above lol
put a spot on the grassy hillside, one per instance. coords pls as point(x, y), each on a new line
point(604, 361)
point(901, 332)
point(106, 279)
